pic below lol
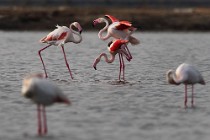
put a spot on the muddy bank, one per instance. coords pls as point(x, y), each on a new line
point(146, 19)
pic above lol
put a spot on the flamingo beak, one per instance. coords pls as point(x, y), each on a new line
point(80, 31)
point(94, 23)
point(95, 68)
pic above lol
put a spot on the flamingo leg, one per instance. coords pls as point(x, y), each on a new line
point(39, 130)
point(120, 66)
point(39, 52)
point(45, 120)
point(192, 100)
point(129, 53)
point(123, 67)
point(185, 101)
point(66, 61)
point(124, 52)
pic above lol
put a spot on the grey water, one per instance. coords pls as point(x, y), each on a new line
point(145, 107)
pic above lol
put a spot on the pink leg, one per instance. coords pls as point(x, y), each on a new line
point(120, 65)
point(66, 61)
point(44, 120)
point(126, 47)
point(192, 101)
point(123, 67)
point(39, 130)
point(185, 102)
point(124, 52)
point(39, 52)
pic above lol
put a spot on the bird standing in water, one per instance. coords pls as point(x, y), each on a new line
point(115, 47)
point(185, 74)
point(60, 36)
point(43, 93)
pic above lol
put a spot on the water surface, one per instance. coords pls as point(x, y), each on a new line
point(145, 107)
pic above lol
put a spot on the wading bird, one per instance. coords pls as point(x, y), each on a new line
point(188, 75)
point(59, 37)
point(43, 93)
point(115, 47)
point(117, 29)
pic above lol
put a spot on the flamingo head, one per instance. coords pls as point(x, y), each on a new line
point(170, 77)
point(97, 21)
point(35, 75)
point(97, 60)
point(77, 25)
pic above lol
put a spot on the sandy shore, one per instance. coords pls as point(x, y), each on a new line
point(146, 19)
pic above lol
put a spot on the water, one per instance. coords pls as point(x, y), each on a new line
point(145, 107)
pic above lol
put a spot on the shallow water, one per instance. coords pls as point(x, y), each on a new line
point(144, 107)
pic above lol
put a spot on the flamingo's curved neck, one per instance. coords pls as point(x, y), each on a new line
point(103, 30)
point(108, 60)
point(76, 33)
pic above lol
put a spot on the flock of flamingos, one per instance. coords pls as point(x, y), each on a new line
point(43, 92)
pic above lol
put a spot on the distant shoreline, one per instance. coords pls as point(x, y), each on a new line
point(145, 19)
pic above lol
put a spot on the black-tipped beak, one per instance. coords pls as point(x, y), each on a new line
point(80, 31)
point(93, 24)
point(95, 68)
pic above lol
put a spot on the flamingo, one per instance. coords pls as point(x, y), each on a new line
point(115, 47)
point(43, 93)
point(117, 29)
point(59, 37)
point(188, 75)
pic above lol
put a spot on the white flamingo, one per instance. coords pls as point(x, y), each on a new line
point(117, 29)
point(59, 37)
point(43, 93)
point(114, 48)
point(188, 75)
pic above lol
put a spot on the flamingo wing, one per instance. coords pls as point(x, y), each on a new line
point(112, 18)
point(123, 25)
point(116, 44)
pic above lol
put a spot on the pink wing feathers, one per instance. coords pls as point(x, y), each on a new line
point(117, 44)
point(112, 18)
point(122, 24)
point(56, 36)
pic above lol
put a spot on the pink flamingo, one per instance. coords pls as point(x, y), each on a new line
point(188, 75)
point(117, 29)
point(43, 93)
point(114, 48)
point(59, 37)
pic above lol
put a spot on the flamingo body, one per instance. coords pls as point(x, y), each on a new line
point(62, 35)
point(43, 93)
point(114, 46)
point(185, 74)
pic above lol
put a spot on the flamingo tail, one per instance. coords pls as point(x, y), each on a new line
point(133, 40)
